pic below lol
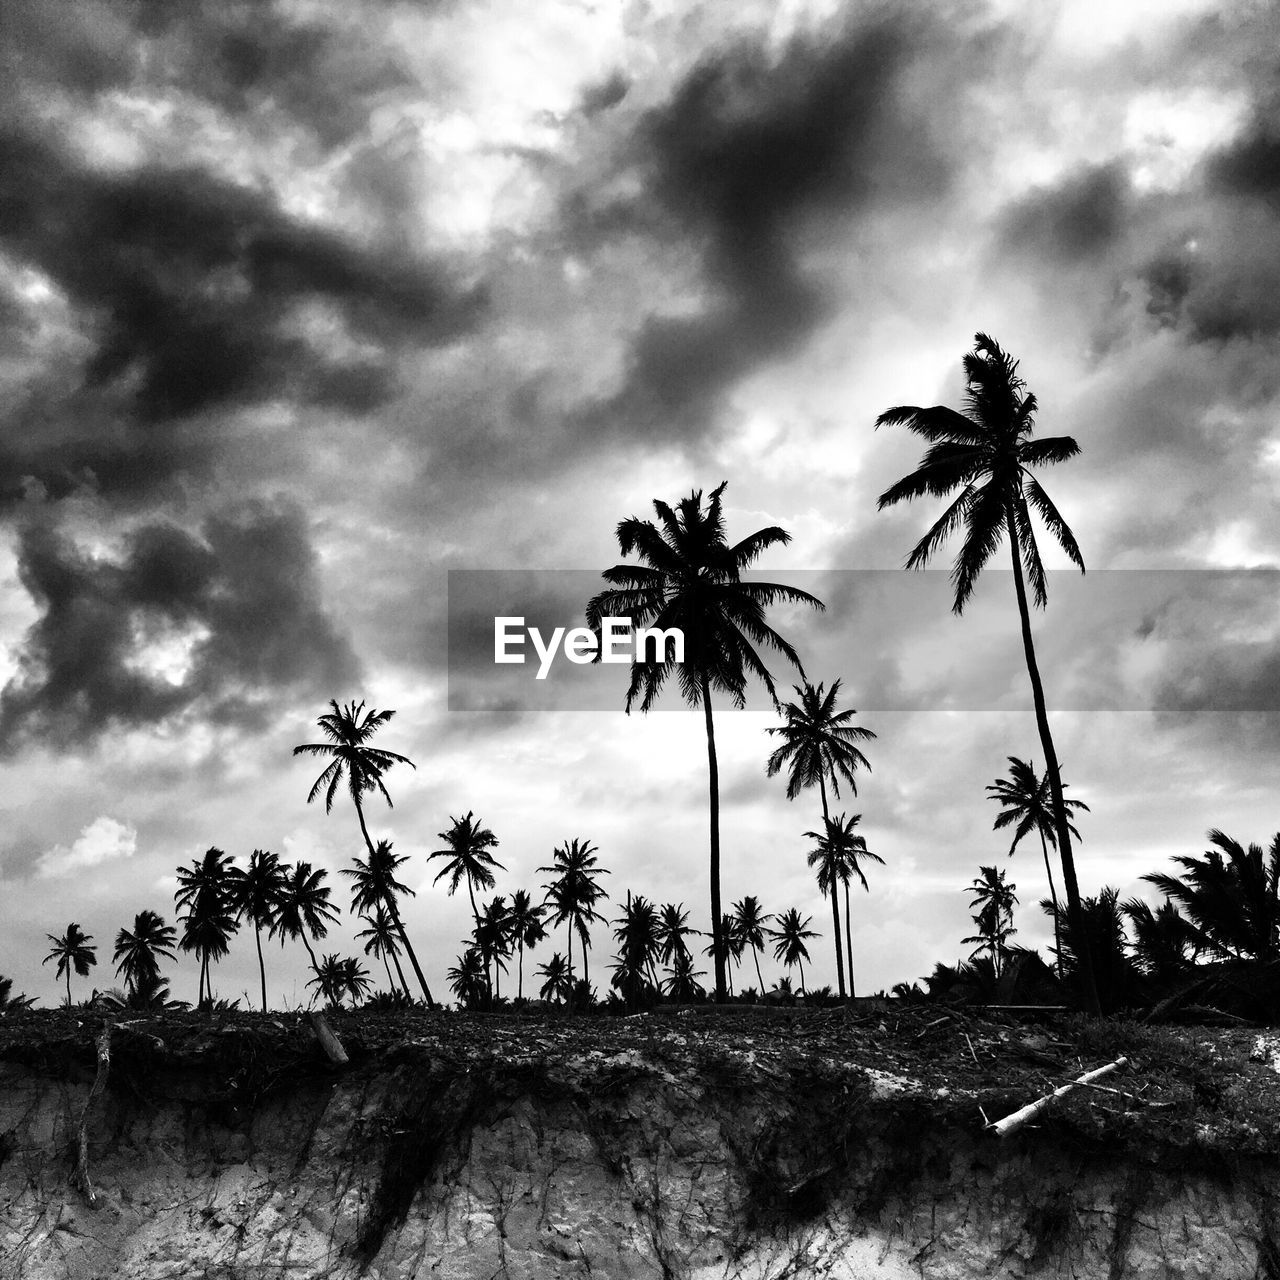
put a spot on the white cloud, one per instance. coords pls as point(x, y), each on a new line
point(103, 840)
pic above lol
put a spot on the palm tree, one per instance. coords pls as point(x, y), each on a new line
point(72, 951)
point(209, 921)
point(375, 885)
point(468, 855)
point(1230, 898)
point(355, 979)
point(303, 911)
point(138, 953)
point(348, 732)
point(9, 1003)
point(789, 939)
point(254, 893)
point(330, 979)
point(995, 900)
point(524, 929)
point(837, 856)
point(492, 941)
point(380, 941)
point(690, 578)
point(732, 945)
point(683, 986)
point(638, 934)
point(573, 893)
point(1162, 939)
point(817, 744)
point(988, 455)
point(1027, 801)
point(558, 978)
point(466, 979)
point(749, 924)
point(673, 929)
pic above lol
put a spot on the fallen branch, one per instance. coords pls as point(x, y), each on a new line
point(81, 1178)
point(328, 1041)
point(1013, 1122)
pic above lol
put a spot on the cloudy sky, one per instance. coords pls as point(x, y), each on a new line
point(304, 304)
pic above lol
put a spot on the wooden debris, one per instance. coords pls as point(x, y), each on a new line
point(1011, 1123)
point(328, 1041)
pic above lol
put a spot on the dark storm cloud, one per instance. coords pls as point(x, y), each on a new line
point(1077, 219)
point(1250, 166)
point(749, 154)
point(191, 286)
point(244, 591)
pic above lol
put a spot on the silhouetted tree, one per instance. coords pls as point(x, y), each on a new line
point(525, 930)
point(838, 856)
point(347, 731)
point(254, 893)
point(690, 578)
point(573, 893)
point(817, 745)
point(994, 899)
point(1026, 800)
point(379, 936)
point(789, 939)
point(988, 456)
point(209, 922)
point(303, 910)
point(138, 952)
point(557, 978)
point(466, 979)
point(467, 855)
point(74, 950)
point(1230, 898)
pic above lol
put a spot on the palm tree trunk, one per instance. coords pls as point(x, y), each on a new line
point(755, 955)
point(395, 914)
point(1053, 894)
point(262, 968)
point(800, 962)
point(713, 771)
point(826, 817)
point(68, 977)
point(395, 959)
point(835, 920)
point(1075, 912)
point(520, 969)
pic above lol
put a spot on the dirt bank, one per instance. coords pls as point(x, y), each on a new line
point(752, 1144)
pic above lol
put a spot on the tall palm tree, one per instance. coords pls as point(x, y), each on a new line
point(524, 929)
point(374, 885)
point(138, 952)
point(994, 899)
point(789, 939)
point(303, 911)
point(572, 894)
point(254, 893)
point(347, 730)
point(467, 855)
point(1230, 898)
point(1026, 801)
point(818, 744)
point(749, 924)
point(74, 950)
point(209, 921)
point(690, 577)
point(380, 940)
point(988, 454)
point(337, 977)
point(838, 856)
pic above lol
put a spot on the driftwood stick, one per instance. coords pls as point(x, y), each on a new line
point(328, 1041)
point(99, 1083)
point(1013, 1122)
